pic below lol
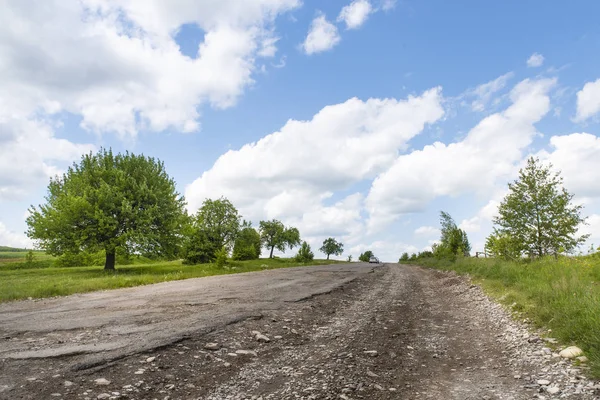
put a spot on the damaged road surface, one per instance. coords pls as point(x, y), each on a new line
point(346, 331)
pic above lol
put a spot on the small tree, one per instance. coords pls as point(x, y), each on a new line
point(274, 235)
point(503, 245)
point(538, 213)
point(247, 244)
point(349, 259)
point(453, 240)
point(220, 220)
point(221, 257)
point(332, 246)
point(304, 253)
point(108, 202)
point(413, 257)
point(403, 257)
point(364, 257)
point(199, 247)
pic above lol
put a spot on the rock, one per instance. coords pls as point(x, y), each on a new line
point(553, 390)
point(102, 382)
point(571, 352)
point(103, 396)
point(378, 387)
point(278, 337)
point(68, 383)
point(372, 353)
point(150, 359)
point(372, 374)
point(139, 372)
point(543, 382)
point(212, 346)
point(56, 395)
point(582, 359)
point(246, 352)
point(262, 338)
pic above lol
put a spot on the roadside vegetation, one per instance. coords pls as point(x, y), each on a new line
point(529, 263)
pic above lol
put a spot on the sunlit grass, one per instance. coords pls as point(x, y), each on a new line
point(559, 294)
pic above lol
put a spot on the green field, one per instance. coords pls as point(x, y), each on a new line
point(562, 295)
point(18, 280)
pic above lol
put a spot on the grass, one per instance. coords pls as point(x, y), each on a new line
point(561, 295)
point(39, 279)
point(16, 256)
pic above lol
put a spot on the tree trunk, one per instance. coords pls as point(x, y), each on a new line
point(109, 265)
point(272, 248)
point(328, 256)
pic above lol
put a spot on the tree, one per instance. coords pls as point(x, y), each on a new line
point(304, 253)
point(274, 235)
point(108, 202)
point(332, 246)
point(538, 213)
point(220, 220)
point(349, 259)
point(199, 247)
point(503, 245)
point(404, 257)
point(453, 240)
point(364, 257)
point(247, 244)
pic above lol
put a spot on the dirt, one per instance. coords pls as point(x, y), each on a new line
point(335, 332)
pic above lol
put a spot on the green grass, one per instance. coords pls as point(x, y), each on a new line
point(16, 256)
point(562, 295)
point(20, 281)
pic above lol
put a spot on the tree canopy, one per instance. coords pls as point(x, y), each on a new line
point(107, 202)
point(364, 257)
point(332, 246)
point(274, 235)
point(220, 220)
point(453, 240)
point(538, 213)
point(247, 244)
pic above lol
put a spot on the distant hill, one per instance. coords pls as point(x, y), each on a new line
point(12, 249)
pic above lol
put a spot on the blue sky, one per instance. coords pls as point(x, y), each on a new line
point(325, 115)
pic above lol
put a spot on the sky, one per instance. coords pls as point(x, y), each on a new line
point(355, 119)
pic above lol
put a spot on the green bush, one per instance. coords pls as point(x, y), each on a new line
point(403, 257)
point(199, 248)
point(221, 257)
point(305, 254)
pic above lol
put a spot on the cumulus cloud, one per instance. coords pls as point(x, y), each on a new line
point(355, 14)
point(536, 60)
point(588, 101)
point(291, 174)
point(487, 154)
point(484, 93)
point(13, 239)
point(427, 231)
point(322, 36)
point(118, 65)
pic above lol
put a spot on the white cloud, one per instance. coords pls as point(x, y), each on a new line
point(13, 239)
point(488, 154)
point(118, 66)
point(536, 60)
point(385, 250)
point(292, 173)
point(592, 228)
point(322, 36)
point(355, 14)
point(576, 157)
point(588, 101)
point(484, 92)
point(427, 231)
point(387, 5)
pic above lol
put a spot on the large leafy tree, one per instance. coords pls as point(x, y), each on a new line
point(107, 202)
point(220, 220)
point(538, 213)
point(453, 240)
point(332, 246)
point(274, 235)
point(247, 244)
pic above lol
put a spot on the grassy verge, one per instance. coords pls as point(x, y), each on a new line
point(38, 282)
point(561, 295)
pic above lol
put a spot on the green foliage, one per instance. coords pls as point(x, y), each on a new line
point(199, 247)
point(109, 201)
point(332, 246)
point(413, 257)
point(221, 257)
point(247, 244)
point(29, 257)
point(453, 240)
point(403, 257)
point(561, 294)
point(349, 259)
point(538, 213)
point(364, 257)
point(502, 245)
point(274, 235)
point(305, 255)
point(220, 220)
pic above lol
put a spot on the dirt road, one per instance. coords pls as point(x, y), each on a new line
point(334, 332)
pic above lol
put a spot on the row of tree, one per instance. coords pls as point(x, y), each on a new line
point(536, 218)
point(127, 204)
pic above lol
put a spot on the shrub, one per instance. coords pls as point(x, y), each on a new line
point(221, 257)
point(403, 257)
point(199, 248)
point(305, 254)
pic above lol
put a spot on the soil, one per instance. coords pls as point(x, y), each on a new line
point(337, 332)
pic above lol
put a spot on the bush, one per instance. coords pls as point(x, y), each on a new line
point(364, 257)
point(403, 257)
point(221, 257)
point(81, 259)
point(199, 248)
point(247, 245)
point(305, 254)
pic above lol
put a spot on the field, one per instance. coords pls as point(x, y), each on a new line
point(561, 295)
point(19, 280)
